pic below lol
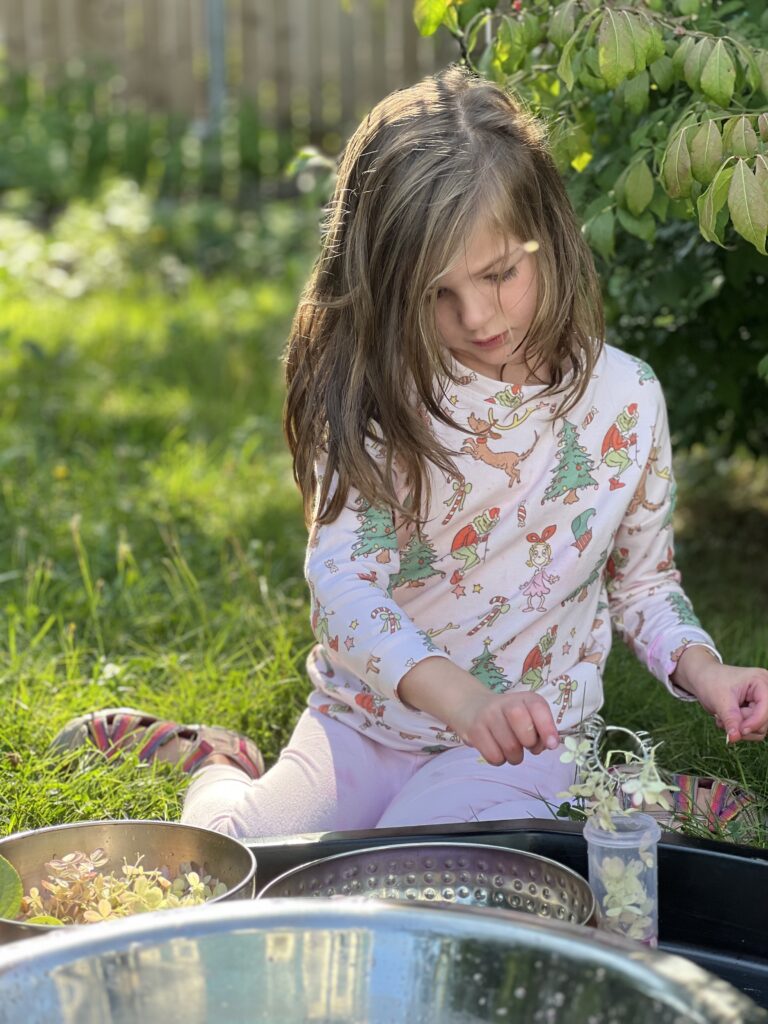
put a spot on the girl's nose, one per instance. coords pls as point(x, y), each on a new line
point(474, 310)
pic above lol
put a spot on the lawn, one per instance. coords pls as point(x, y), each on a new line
point(152, 542)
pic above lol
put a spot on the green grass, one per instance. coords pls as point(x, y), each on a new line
point(152, 543)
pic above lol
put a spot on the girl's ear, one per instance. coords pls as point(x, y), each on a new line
point(547, 532)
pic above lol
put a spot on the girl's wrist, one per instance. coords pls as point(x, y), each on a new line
point(696, 661)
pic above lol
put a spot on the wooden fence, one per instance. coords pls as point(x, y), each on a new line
point(312, 65)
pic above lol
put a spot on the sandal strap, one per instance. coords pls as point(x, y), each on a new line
point(216, 740)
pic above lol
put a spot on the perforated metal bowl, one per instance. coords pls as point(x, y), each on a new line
point(464, 873)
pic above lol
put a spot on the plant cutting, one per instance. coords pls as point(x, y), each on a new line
point(621, 840)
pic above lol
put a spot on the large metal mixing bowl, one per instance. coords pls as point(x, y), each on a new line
point(473, 874)
point(330, 962)
point(161, 843)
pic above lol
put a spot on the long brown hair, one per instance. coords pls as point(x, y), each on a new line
point(364, 361)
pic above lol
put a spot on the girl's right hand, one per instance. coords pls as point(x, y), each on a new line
point(503, 726)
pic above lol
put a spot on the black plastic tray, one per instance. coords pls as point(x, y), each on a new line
point(713, 897)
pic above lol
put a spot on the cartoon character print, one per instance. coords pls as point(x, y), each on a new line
point(466, 542)
point(581, 591)
point(370, 701)
point(617, 560)
point(640, 497)
point(538, 660)
point(582, 531)
point(320, 623)
point(539, 557)
point(619, 438)
point(508, 462)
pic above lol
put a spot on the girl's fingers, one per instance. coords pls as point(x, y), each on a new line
point(508, 738)
point(544, 723)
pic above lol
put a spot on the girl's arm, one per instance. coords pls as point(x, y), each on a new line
point(501, 726)
point(655, 617)
point(736, 697)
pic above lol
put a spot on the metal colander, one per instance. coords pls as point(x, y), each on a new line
point(461, 873)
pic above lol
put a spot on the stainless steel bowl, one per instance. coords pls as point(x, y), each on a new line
point(161, 843)
point(328, 962)
point(472, 874)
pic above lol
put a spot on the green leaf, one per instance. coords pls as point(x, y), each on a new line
point(706, 152)
point(748, 206)
point(640, 35)
point(638, 187)
point(636, 93)
point(663, 73)
point(510, 45)
point(676, 167)
point(762, 124)
point(533, 29)
point(659, 205)
point(44, 919)
point(600, 232)
point(615, 49)
point(761, 59)
point(696, 61)
point(761, 173)
point(565, 66)
point(712, 201)
point(429, 14)
point(743, 138)
point(643, 226)
point(11, 890)
point(688, 6)
point(680, 55)
point(656, 47)
point(719, 75)
point(562, 23)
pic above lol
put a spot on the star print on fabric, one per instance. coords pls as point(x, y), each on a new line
point(454, 399)
point(349, 643)
point(354, 624)
point(477, 588)
point(566, 648)
point(459, 590)
point(573, 631)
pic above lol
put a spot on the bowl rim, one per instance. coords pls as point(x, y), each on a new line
point(41, 929)
point(591, 901)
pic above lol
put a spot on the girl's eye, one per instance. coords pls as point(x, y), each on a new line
point(506, 276)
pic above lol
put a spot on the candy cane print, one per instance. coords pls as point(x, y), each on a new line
point(390, 619)
point(502, 606)
point(567, 688)
point(461, 489)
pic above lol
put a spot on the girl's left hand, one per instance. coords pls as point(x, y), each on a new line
point(736, 697)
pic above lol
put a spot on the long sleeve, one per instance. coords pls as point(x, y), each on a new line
point(350, 566)
point(649, 608)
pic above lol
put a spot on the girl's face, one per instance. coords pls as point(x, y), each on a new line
point(484, 331)
point(540, 554)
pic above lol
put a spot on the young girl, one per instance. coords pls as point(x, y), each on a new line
point(455, 422)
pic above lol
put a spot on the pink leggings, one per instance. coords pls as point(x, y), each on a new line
point(331, 777)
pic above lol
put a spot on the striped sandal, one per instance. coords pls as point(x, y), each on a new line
point(116, 730)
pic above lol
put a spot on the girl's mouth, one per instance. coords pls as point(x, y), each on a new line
point(494, 342)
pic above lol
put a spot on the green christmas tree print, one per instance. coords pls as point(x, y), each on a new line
point(682, 608)
point(573, 470)
point(644, 371)
point(417, 563)
point(485, 669)
point(376, 532)
point(582, 590)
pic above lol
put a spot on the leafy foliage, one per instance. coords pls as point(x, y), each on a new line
point(658, 112)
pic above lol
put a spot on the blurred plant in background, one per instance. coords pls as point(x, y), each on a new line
point(658, 111)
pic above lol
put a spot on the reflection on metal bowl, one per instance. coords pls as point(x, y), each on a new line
point(472, 874)
point(160, 842)
point(347, 962)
